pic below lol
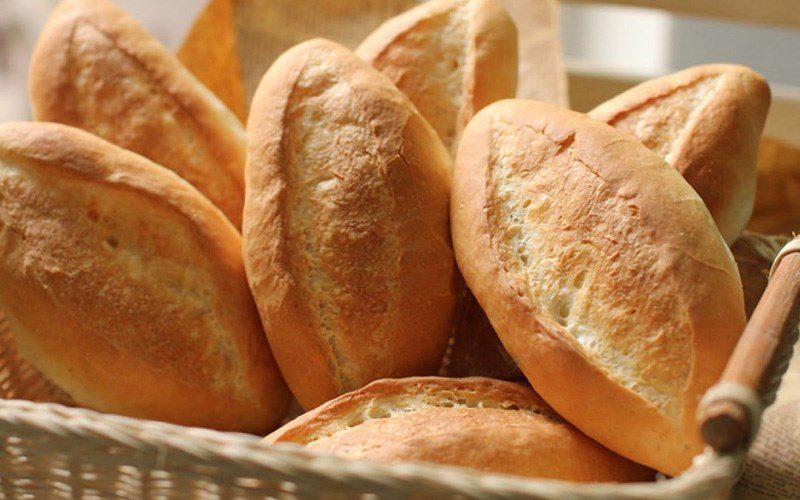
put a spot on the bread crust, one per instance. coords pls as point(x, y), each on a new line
point(349, 260)
point(126, 287)
point(95, 68)
point(483, 52)
point(210, 51)
point(692, 268)
point(716, 146)
point(474, 422)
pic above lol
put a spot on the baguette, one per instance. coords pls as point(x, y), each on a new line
point(346, 231)
point(481, 423)
point(450, 57)
point(706, 122)
point(602, 272)
point(211, 53)
point(97, 69)
point(125, 287)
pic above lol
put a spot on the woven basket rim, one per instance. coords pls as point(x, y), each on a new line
point(248, 451)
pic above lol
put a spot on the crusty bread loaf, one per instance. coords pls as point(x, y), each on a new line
point(601, 271)
point(126, 287)
point(777, 206)
point(346, 232)
point(450, 57)
point(97, 69)
point(475, 422)
point(706, 122)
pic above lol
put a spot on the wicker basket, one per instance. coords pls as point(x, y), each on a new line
point(52, 450)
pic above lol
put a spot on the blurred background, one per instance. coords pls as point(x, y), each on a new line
point(625, 43)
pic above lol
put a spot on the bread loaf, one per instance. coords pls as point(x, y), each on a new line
point(211, 52)
point(97, 69)
point(601, 271)
point(346, 231)
point(475, 422)
point(450, 57)
point(125, 286)
point(706, 122)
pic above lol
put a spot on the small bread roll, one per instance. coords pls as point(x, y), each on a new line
point(450, 57)
point(706, 122)
point(125, 286)
point(346, 229)
point(485, 424)
point(601, 271)
point(97, 69)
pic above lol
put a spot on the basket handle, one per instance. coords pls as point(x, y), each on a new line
point(729, 414)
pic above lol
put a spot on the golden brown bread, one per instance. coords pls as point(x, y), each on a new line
point(478, 351)
point(706, 122)
point(481, 423)
point(210, 52)
point(126, 287)
point(97, 69)
point(346, 233)
point(601, 271)
point(777, 207)
point(450, 57)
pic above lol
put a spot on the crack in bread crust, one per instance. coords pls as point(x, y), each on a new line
point(100, 67)
point(79, 241)
point(345, 262)
point(439, 90)
point(423, 396)
point(548, 243)
point(659, 122)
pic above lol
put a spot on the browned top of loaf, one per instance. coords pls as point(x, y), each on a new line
point(475, 422)
point(97, 69)
point(346, 230)
point(450, 57)
point(602, 272)
point(126, 286)
point(706, 122)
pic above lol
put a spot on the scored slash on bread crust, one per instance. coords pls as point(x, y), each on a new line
point(97, 69)
point(706, 122)
point(346, 234)
point(601, 271)
point(126, 287)
point(476, 422)
point(450, 57)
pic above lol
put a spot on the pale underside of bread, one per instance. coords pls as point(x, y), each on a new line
point(482, 423)
point(346, 232)
point(706, 122)
point(97, 69)
point(450, 57)
point(125, 286)
point(601, 271)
